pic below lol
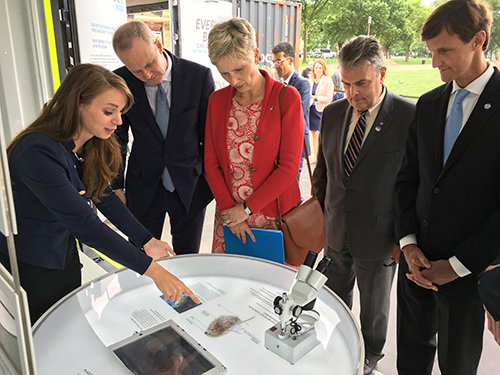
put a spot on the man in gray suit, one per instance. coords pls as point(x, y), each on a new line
point(361, 148)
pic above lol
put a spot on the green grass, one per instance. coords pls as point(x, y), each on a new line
point(417, 61)
point(412, 82)
point(327, 61)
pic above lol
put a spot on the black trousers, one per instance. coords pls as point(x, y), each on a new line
point(44, 286)
point(374, 280)
point(185, 229)
point(456, 318)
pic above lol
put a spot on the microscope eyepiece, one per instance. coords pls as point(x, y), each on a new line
point(323, 265)
point(310, 259)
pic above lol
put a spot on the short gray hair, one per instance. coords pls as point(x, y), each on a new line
point(337, 82)
point(126, 33)
point(234, 39)
point(359, 50)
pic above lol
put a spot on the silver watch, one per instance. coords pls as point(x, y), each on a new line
point(247, 210)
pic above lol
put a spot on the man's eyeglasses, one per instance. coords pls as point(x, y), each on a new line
point(279, 62)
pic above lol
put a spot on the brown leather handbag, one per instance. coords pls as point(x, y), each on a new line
point(303, 226)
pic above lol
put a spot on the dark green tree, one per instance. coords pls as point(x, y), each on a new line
point(416, 19)
point(311, 9)
point(388, 21)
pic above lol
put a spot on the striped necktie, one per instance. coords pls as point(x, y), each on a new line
point(354, 146)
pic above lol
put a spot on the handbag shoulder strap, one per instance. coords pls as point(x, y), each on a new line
point(313, 191)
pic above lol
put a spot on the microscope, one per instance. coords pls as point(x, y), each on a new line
point(295, 336)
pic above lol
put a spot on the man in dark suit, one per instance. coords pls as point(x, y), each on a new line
point(283, 59)
point(360, 151)
point(447, 197)
point(165, 168)
point(489, 290)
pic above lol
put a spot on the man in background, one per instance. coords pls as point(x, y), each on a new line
point(496, 59)
point(306, 73)
point(283, 59)
point(361, 147)
point(165, 169)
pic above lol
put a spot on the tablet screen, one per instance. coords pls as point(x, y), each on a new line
point(164, 351)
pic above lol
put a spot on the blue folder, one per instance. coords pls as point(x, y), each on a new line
point(268, 244)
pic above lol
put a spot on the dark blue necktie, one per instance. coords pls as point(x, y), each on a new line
point(453, 123)
point(162, 116)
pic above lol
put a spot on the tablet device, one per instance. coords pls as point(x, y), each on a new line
point(166, 347)
point(268, 244)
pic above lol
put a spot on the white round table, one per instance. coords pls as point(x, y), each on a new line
point(73, 337)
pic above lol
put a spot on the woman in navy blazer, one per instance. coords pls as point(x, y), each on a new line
point(65, 158)
point(244, 135)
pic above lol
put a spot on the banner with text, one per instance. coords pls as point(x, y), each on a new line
point(97, 20)
point(196, 18)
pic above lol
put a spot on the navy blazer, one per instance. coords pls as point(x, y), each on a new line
point(51, 202)
point(304, 88)
point(489, 291)
point(453, 209)
point(181, 151)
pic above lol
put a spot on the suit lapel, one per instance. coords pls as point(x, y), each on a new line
point(440, 106)
point(178, 93)
point(380, 124)
point(486, 106)
point(344, 120)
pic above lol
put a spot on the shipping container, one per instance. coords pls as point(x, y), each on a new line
point(274, 22)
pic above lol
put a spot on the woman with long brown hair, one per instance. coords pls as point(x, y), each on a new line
point(64, 159)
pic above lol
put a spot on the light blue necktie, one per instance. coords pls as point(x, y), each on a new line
point(162, 116)
point(453, 123)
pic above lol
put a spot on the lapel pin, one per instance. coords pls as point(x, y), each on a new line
point(378, 128)
point(273, 108)
point(487, 106)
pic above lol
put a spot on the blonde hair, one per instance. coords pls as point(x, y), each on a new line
point(234, 39)
point(323, 65)
point(60, 120)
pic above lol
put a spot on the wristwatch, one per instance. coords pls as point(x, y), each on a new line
point(247, 209)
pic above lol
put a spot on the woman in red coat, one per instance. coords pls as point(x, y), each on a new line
point(245, 136)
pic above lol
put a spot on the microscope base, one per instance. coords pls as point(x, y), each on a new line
point(288, 348)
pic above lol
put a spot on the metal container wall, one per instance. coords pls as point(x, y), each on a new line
point(274, 22)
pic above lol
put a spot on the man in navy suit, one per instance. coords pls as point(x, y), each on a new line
point(165, 167)
point(283, 58)
point(489, 290)
point(447, 197)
